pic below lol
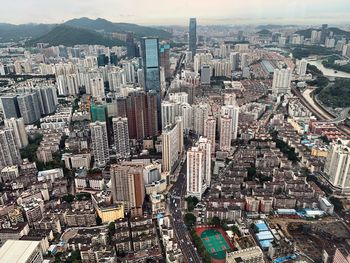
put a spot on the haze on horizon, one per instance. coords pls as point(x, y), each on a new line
point(177, 12)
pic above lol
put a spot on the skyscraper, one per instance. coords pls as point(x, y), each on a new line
point(10, 107)
point(210, 131)
point(97, 88)
point(130, 45)
point(233, 112)
point(9, 153)
point(301, 67)
point(17, 125)
point(172, 143)
point(198, 168)
point(225, 133)
point(121, 136)
point(205, 74)
point(281, 81)
point(29, 107)
point(192, 36)
point(141, 110)
point(165, 60)
point(200, 114)
point(48, 99)
point(98, 112)
point(150, 63)
point(169, 112)
point(128, 186)
point(337, 165)
point(151, 69)
point(99, 142)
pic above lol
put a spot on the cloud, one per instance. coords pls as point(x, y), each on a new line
point(174, 11)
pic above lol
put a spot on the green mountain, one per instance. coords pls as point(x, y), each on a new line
point(264, 32)
point(9, 32)
point(104, 25)
point(70, 36)
point(337, 31)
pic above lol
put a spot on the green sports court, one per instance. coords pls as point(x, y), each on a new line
point(215, 243)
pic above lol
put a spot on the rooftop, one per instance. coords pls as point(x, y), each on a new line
point(17, 250)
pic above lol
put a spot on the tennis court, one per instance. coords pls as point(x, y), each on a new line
point(215, 243)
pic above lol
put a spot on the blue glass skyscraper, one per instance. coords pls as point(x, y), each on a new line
point(151, 63)
point(192, 38)
point(151, 68)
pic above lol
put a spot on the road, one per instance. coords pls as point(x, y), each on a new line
point(320, 114)
point(176, 195)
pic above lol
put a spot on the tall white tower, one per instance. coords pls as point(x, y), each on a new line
point(225, 133)
point(121, 136)
point(17, 125)
point(281, 81)
point(210, 131)
point(200, 114)
point(198, 168)
point(99, 142)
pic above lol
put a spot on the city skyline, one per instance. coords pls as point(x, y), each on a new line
point(155, 13)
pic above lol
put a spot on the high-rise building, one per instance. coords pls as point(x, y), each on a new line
point(48, 99)
point(130, 45)
point(244, 60)
point(324, 33)
point(99, 142)
point(179, 97)
point(97, 88)
point(205, 74)
point(141, 110)
point(186, 112)
point(98, 112)
point(29, 107)
point(315, 37)
point(152, 173)
point(192, 36)
point(234, 60)
point(151, 63)
point(172, 144)
point(301, 67)
point(225, 133)
point(9, 152)
point(19, 131)
point(151, 69)
point(200, 114)
point(169, 112)
point(233, 112)
point(21, 251)
point(121, 136)
point(230, 99)
point(281, 81)
point(165, 59)
point(199, 168)
point(337, 165)
point(128, 186)
point(71, 83)
point(10, 106)
point(210, 131)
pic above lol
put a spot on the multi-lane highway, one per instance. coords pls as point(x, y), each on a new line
point(176, 196)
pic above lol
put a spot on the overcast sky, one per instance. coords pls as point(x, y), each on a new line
point(166, 12)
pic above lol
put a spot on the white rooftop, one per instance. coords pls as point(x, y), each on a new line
point(17, 250)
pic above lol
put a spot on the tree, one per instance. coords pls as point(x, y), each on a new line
point(215, 221)
point(68, 198)
point(190, 220)
point(338, 205)
point(111, 228)
point(192, 201)
point(98, 220)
